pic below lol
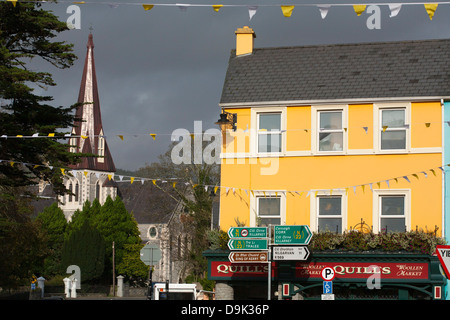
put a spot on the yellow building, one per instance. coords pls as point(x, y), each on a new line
point(329, 136)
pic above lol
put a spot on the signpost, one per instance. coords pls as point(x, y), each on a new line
point(247, 232)
point(248, 257)
point(290, 253)
point(300, 235)
point(247, 244)
point(150, 255)
point(328, 275)
point(443, 253)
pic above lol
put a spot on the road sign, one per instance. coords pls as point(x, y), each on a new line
point(328, 296)
point(443, 253)
point(327, 274)
point(292, 235)
point(247, 257)
point(290, 253)
point(327, 287)
point(247, 232)
point(247, 244)
point(150, 254)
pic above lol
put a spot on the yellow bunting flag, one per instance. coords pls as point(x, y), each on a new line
point(192, 135)
point(63, 171)
point(215, 189)
point(384, 128)
point(287, 10)
point(78, 2)
point(431, 8)
point(194, 186)
point(84, 137)
point(109, 177)
point(432, 170)
point(148, 7)
point(174, 184)
point(153, 135)
point(359, 9)
point(154, 182)
point(11, 163)
point(363, 187)
point(217, 7)
point(85, 173)
point(416, 176)
point(36, 166)
point(51, 134)
point(427, 124)
point(13, 2)
point(131, 180)
point(120, 136)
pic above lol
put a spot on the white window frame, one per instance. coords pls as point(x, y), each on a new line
point(315, 134)
point(378, 109)
point(378, 194)
point(255, 112)
point(314, 204)
point(254, 208)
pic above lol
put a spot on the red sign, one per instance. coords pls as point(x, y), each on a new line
point(226, 270)
point(358, 270)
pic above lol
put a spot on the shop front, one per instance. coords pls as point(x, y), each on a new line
point(358, 276)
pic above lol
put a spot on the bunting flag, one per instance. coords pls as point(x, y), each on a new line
point(216, 7)
point(324, 10)
point(395, 9)
point(431, 8)
point(13, 2)
point(252, 11)
point(287, 10)
point(359, 9)
point(148, 7)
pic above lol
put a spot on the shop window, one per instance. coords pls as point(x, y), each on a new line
point(331, 131)
point(329, 216)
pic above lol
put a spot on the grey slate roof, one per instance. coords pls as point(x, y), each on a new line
point(342, 71)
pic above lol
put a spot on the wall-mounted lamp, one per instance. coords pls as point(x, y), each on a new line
point(227, 121)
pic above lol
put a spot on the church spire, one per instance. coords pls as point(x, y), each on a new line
point(92, 140)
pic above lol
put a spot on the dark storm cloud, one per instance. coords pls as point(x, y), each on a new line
point(163, 69)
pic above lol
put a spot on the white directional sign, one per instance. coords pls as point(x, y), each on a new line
point(290, 253)
point(443, 253)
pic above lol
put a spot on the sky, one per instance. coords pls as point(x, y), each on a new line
point(163, 69)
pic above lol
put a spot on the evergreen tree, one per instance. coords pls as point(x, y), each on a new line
point(85, 247)
point(53, 222)
point(26, 33)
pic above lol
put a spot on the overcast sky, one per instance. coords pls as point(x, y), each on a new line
point(163, 69)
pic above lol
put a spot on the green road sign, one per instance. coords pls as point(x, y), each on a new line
point(247, 244)
point(247, 232)
point(292, 235)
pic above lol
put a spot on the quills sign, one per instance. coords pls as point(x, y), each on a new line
point(349, 270)
point(225, 270)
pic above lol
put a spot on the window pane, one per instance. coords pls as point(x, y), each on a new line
point(331, 141)
point(269, 206)
point(329, 206)
point(393, 140)
point(331, 120)
point(269, 142)
point(330, 224)
point(263, 222)
point(393, 224)
point(394, 205)
point(393, 118)
point(270, 121)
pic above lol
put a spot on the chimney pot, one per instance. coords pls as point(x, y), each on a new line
point(244, 40)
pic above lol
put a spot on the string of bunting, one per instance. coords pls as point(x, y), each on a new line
point(154, 135)
point(287, 10)
point(235, 190)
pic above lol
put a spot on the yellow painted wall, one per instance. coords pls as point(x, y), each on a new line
point(305, 173)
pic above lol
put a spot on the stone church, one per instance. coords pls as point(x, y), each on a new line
point(155, 211)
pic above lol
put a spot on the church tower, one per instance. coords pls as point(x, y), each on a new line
point(92, 177)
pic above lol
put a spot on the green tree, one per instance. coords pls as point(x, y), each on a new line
point(53, 222)
point(131, 265)
point(85, 247)
point(27, 32)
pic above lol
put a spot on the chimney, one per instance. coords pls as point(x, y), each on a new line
point(244, 40)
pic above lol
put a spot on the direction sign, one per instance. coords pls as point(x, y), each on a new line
point(150, 254)
point(300, 234)
point(327, 274)
point(246, 257)
point(443, 253)
point(290, 253)
point(247, 232)
point(247, 244)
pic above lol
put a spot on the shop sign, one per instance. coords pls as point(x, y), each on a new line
point(225, 270)
point(350, 270)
